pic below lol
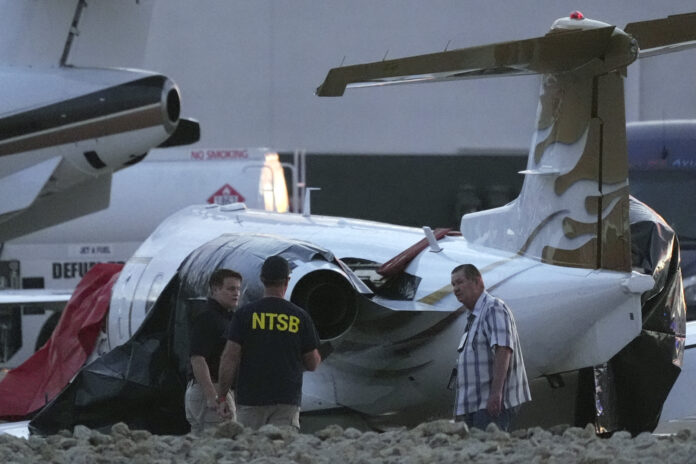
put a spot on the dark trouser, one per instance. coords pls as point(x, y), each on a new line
point(480, 419)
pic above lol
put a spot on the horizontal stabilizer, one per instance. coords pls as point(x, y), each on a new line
point(557, 52)
point(664, 35)
point(188, 131)
point(19, 189)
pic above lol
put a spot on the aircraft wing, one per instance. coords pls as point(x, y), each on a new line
point(20, 189)
point(45, 208)
point(14, 296)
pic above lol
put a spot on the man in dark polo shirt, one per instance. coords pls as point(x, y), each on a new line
point(207, 342)
point(271, 342)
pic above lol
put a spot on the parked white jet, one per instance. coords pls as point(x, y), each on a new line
point(602, 328)
point(65, 130)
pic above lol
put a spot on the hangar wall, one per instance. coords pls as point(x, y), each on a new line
point(248, 69)
point(411, 190)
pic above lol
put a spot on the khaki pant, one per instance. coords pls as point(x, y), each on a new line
point(276, 414)
point(199, 415)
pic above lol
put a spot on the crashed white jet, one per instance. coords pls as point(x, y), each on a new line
point(592, 276)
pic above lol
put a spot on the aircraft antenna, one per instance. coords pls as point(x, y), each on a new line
point(447, 46)
point(343, 61)
point(432, 240)
point(74, 31)
point(385, 55)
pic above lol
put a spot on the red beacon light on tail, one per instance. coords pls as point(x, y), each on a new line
point(577, 15)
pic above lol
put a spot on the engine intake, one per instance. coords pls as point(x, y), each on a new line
point(330, 301)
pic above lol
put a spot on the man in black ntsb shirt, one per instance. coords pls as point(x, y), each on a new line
point(270, 343)
point(207, 342)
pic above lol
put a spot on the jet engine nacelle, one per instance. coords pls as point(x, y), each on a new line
point(319, 283)
point(64, 131)
point(327, 294)
point(118, 114)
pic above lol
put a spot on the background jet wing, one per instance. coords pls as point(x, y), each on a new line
point(554, 52)
point(50, 208)
point(664, 35)
point(20, 189)
point(17, 296)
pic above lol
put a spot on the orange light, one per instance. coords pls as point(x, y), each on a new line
point(577, 15)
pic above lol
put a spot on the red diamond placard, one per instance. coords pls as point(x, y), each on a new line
point(226, 195)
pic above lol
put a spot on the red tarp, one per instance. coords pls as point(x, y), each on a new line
point(40, 378)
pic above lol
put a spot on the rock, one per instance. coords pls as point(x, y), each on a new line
point(274, 432)
point(330, 431)
point(82, 433)
point(559, 429)
point(620, 435)
point(67, 443)
point(99, 439)
point(438, 441)
point(352, 433)
point(644, 440)
point(448, 427)
point(140, 435)
point(120, 429)
point(228, 429)
point(34, 442)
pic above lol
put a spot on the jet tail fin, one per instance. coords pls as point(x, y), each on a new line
point(573, 207)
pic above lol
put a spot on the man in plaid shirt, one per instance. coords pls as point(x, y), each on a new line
point(491, 379)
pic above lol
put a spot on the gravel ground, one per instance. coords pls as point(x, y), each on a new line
point(438, 441)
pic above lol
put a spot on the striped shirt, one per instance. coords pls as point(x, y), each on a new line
point(492, 324)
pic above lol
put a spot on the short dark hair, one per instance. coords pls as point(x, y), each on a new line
point(470, 271)
point(275, 271)
point(217, 278)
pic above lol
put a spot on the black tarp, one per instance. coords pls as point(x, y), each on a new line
point(645, 370)
point(142, 382)
point(628, 392)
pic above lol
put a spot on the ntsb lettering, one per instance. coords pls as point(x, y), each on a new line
point(273, 321)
